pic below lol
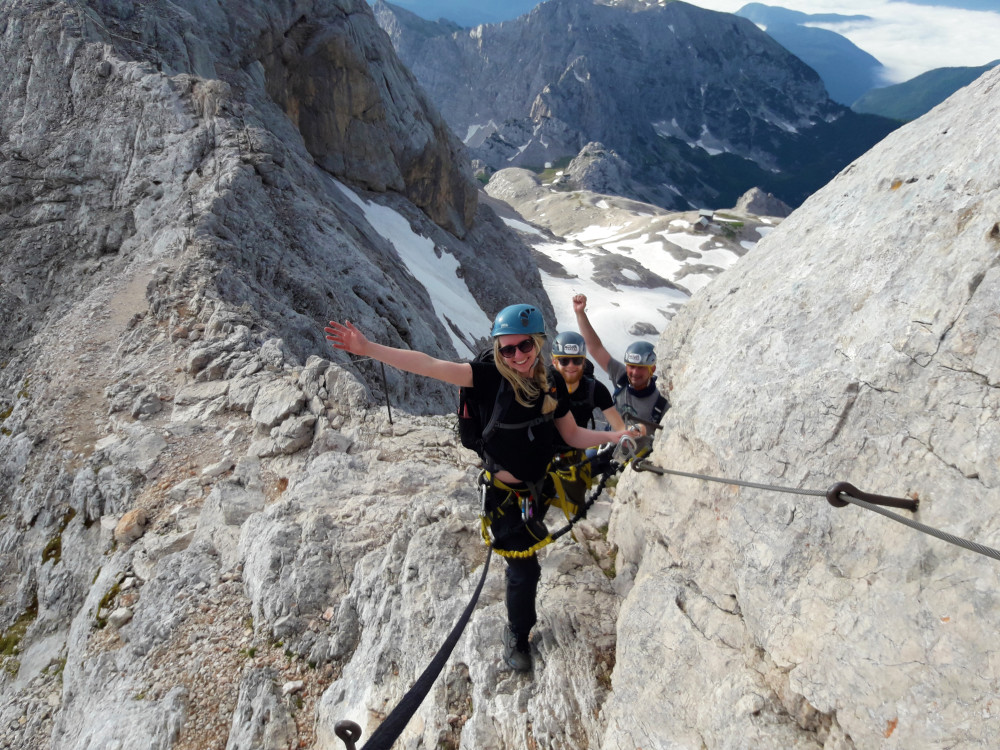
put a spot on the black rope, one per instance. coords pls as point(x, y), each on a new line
point(839, 495)
point(581, 512)
point(390, 729)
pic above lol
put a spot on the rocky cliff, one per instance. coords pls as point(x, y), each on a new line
point(213, 534)
point(178, 137)
point(187, 192)
point(702, 106)
point(856, 342)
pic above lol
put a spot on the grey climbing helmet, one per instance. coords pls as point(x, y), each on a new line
point(569, 344)
point(640, 353)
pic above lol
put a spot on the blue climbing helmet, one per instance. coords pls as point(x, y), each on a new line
point(640, 353)
point(525, 319)
point(569, 344)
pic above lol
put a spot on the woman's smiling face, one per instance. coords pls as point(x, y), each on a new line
point(521, 362)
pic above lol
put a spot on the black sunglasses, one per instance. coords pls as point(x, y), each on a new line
point(570, 360)
point(524, 346)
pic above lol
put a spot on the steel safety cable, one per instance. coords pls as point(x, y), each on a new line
point(643, 465)
point(839, 495)
point(942, 535)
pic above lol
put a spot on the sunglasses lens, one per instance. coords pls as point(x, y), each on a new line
point(524, 346)
point(570, 360)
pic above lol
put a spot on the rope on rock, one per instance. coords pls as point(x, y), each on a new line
point(390, 729)
point(839, 495)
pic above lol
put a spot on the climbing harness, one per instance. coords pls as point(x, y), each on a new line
point(564, 482)
point(839, 495)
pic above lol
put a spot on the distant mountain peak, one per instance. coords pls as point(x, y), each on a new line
point(773, 14)
point(847, 70)
point(665, 85)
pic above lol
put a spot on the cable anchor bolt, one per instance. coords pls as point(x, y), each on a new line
point(846, 488)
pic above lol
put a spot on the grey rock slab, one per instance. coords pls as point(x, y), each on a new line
point(262, 720)
point(844, 347)
point(137, 448)
point(275, 402)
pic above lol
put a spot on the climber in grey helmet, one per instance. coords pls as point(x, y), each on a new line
point(536, 419)
point(636, 395)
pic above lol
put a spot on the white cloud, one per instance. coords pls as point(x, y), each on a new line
point(908, 39)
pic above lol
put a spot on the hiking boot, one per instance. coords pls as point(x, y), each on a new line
point(516, 651)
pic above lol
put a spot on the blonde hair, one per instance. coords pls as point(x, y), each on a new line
point(527, 390)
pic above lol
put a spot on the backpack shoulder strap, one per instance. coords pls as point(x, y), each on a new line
point(504, 398)
point(660, 407)
point(620, 386)
point(505, 395)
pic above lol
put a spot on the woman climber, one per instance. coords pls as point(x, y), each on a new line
point(536, 422)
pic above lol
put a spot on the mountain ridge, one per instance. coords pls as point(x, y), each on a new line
point(911, 99)
point(847, 70)
point(649, 82)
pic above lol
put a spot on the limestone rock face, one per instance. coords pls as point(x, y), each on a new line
point(155, 134)
point(169, 239)
point(361, 114)
point(857, 343)
point(171, 251)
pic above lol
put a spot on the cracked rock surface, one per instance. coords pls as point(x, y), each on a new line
point(856, 343)
point(212, 536)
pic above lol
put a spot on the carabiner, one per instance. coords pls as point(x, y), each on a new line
point(627, 449)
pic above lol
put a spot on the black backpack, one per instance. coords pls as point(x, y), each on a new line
point(478, 421)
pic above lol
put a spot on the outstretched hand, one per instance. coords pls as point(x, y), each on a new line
point(632, 432)
point(346, 336)
point(579, 303)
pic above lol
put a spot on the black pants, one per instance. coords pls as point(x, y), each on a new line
point(523, 573)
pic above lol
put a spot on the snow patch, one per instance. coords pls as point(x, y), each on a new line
point(521, 226)
point(450, 297)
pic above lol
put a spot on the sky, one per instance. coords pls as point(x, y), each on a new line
point(907, 38)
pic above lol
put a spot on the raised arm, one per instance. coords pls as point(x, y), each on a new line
point(594, 346)
point(346, 336)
